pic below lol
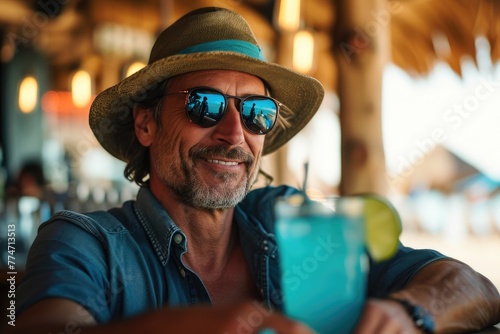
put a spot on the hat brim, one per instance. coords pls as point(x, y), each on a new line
point(111, 117)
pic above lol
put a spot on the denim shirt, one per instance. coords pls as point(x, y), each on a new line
point(127, 261)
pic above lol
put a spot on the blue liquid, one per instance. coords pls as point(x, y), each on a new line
point(324, 270)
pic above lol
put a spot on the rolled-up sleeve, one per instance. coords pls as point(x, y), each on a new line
point(392, 275)
point(65, 261)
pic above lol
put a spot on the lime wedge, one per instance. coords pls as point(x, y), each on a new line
point(383, 227)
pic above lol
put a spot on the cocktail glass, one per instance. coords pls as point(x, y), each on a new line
point(323, 261)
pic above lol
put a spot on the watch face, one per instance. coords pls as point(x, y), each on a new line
point(423, 320)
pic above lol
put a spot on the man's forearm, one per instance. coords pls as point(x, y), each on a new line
point(458, 298)
point(193, 319)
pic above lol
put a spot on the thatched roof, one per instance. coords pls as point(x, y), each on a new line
point(423, 31)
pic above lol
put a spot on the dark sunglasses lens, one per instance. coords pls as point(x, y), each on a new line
point(259, 114)
point(205, 107)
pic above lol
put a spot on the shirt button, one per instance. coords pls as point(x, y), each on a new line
point(178, 238)
point(183, 273)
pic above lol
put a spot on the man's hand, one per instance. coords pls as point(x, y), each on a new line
point(244, 318)
point(385, 316)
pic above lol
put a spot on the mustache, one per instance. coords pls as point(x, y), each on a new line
point(221, 151)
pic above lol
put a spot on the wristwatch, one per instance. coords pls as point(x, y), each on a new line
point(421, 318)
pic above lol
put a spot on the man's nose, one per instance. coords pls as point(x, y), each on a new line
point(230, 129)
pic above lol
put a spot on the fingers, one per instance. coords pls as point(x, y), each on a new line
point(254, 318)
point(279, 324)
point(381, 316)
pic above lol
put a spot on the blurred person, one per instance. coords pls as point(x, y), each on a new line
point(196, 252)
point(30, 181)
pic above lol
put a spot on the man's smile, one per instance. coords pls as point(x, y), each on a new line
point(222, 162)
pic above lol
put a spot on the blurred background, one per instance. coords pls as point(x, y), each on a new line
point(427, 70)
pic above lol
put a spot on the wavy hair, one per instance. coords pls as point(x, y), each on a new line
point(138, 167)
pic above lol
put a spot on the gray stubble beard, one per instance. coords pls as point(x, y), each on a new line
point(193, 192)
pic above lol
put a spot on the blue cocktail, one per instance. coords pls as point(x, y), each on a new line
point(323, 260)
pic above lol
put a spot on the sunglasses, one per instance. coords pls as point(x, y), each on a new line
point(206, 106)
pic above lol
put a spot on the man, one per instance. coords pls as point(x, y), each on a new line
point(195, 253)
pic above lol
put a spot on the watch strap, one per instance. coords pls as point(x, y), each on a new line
point(421, 318)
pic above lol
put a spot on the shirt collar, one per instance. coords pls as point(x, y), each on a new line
point(159, 227)
point(163, 232)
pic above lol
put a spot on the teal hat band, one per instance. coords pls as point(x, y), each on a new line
point(231, 45)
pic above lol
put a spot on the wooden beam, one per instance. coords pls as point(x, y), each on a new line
point(361, 48)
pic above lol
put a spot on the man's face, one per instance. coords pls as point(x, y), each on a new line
point(208, 168)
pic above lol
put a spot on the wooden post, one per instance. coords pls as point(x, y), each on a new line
point(283, 174)
point(361, 48)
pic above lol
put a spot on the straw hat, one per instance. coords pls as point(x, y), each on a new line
point(206, 38)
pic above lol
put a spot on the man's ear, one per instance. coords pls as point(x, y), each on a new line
point(144, 125)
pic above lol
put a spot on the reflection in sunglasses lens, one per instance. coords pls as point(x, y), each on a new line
point(258, 114)
point(205, 108)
